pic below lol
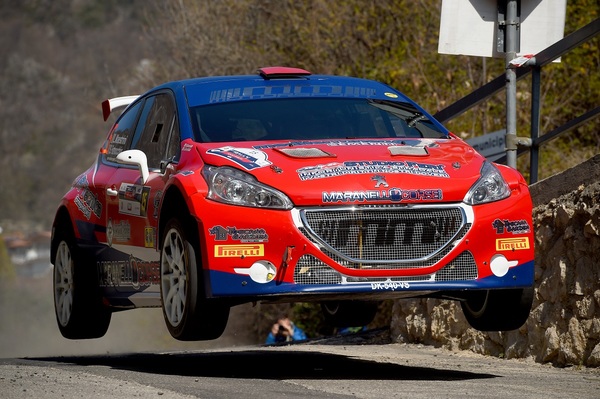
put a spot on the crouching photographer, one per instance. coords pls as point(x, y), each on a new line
point(284, 330)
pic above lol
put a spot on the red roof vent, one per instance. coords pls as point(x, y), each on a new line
point(279, 72)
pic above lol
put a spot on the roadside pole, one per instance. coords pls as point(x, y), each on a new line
point(511, 45)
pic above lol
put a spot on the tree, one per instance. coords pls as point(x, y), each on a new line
point(394, 41)
point(62, 58)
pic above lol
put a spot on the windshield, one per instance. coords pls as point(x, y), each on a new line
point(309, 119)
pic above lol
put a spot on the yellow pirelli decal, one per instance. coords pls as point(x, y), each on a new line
point(512, 244)
point(236, 251)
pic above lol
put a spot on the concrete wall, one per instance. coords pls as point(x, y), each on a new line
point(564, 325)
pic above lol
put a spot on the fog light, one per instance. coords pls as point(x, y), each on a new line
point(260, 272)
point(500, 265)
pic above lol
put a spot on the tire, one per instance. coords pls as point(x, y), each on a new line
point(349, 313)
point(498, 310)
point(78, 306)
point(189, 316)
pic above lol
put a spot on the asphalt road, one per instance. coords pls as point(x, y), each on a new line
point(138, 359)
point(321, 369)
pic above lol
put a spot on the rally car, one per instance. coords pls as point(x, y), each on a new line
point(285, 186)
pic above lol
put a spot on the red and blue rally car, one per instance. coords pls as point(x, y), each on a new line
point(286, 186)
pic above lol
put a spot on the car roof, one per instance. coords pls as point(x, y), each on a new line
point(279, 82)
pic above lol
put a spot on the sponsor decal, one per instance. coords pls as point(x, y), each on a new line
point(119, 139)
point(131, 272)
point(156, 204)
point(187, 147)
point(120, 231)
point(248, 158)
point(149, 236)
point(133, 199)
point(117, 143)
point(351, 143)
point(249, 92)
point(371, 167)
point(87, 212)
point(239, 251)
point(512, 244)
point(243, 235)
point(86, 201)
point(109, 232)
point(393, 194)
point(511, 226)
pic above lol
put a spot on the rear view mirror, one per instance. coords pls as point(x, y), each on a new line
point(137, 158)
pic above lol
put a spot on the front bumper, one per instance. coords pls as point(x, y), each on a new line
point(369, 250)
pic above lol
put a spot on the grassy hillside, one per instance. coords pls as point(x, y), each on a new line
point(60, 59)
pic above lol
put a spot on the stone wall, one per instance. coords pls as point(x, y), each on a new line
point(564, 324)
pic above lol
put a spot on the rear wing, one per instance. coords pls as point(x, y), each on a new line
point(109, 105)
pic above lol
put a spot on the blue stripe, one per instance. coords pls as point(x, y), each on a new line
point(226, 284)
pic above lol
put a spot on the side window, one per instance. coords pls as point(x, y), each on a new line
point(155, 126)
point(122, 132)
point(174, 147)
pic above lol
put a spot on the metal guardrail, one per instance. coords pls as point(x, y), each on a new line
point(534, 66)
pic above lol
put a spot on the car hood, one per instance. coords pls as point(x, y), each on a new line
point(356, 171)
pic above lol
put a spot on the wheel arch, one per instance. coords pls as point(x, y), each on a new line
point(208, 318)
point(174, 205)
point(62, 224)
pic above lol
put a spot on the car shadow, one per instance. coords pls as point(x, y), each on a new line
point(266, 364)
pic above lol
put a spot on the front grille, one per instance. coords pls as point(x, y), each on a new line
point(311, 270)
point(385, 237)
point(463, 267)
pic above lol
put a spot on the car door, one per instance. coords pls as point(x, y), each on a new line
point(133, 204)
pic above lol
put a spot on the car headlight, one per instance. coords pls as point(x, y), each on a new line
point(232, 186)
point(490, 187)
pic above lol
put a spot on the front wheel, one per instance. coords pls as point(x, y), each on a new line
point(498, 310)
point(188, 314)
point(78, 306)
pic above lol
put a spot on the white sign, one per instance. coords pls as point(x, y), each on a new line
point(469, 27)
point(490, 145)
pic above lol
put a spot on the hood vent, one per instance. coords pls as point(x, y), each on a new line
point(408, 150)
point(305, 152)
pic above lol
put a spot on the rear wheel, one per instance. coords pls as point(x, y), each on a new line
point(349, 313)
point(498, 310)
point(77, 300)
point(188, 314)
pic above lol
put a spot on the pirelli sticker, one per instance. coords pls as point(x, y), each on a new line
point(239, 250)
point(512, 244)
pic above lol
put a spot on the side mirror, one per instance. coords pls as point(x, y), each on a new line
point(137, 158)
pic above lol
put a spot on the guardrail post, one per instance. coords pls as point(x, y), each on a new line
point(534, 153)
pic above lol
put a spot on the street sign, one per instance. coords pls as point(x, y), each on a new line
point(470, 27)
point(491, 145)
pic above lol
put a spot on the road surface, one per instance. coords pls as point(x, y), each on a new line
point(321, 369)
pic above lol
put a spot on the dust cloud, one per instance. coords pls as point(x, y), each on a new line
point(28, 326)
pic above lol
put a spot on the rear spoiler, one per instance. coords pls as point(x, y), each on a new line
point(109, 105)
